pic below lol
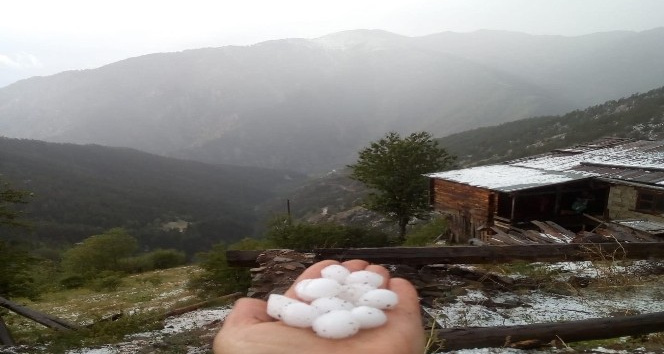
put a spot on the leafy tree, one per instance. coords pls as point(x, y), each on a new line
point(394, 167)
point(9, 199)
point(15, 261)
point(100, 253)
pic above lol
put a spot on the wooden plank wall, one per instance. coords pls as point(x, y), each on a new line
point(469, 207)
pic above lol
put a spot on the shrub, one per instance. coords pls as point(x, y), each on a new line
point(304, 236)
point(164, 259)
point(16, 267)
point(72, 282)
point(99, 253)
point(426, 234)
point(217, 277)
point(107, 281)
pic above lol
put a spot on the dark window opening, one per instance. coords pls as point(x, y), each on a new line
point(650, 202)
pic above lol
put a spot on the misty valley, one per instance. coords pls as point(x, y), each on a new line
point(141, 174)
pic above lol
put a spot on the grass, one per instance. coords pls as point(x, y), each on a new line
point(141, 299)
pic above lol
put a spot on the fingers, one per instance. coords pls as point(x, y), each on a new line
point(355, 265)
point(248, 311)
point(408, 298)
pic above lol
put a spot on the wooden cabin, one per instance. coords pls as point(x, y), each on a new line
point(621, 180)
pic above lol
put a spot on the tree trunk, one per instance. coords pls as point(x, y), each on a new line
point(403, 222)
point(529, 336)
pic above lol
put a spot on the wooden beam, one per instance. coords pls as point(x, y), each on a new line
point(44, 319)
point(472, 254)
point(5, 335)
point(528, 336)
point(222, 300)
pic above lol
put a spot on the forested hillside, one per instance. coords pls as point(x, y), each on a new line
point(311, 104)
point(83, 190)
point(640, 116)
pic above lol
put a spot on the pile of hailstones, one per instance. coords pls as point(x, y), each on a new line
point(337, 305)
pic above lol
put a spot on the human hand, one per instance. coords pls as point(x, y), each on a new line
point(249, 330)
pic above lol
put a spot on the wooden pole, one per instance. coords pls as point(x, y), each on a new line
point(46, 320)
point(5, 335)
point(220, 300)
point(415, 256)
point(534, 335)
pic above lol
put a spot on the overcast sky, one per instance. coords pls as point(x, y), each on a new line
point(42, 37)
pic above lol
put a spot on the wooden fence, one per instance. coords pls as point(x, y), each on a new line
point(475, 255)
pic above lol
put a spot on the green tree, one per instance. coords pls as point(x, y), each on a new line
point(9, 199)
point(393, 167)
point(100, 253)
point(15, 262)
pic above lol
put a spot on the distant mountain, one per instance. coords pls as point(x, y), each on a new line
point(310, 105)
point(640, 116)
point(82, 190)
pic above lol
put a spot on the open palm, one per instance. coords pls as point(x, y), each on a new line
point(249, 330)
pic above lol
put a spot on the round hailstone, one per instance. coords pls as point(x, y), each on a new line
point(364, 277)
point(317, 288)
point(276, 303)
point(369, 317)
point(298, 314)
point(353, 292)
point(336, 272)
point(328, 304)
point(336, 325)
point(300, 285)
point(379, 298)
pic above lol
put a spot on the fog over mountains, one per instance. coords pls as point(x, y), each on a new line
point(309, 105)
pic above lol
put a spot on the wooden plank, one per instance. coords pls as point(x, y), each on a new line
point(44, 319)
point(561, 229)
point(551, 231)
point(222, 300)
point(536, 237)
point(528, 336)
point(506, 239)
point(618, 235)
point(557, 252)
point(5, 335)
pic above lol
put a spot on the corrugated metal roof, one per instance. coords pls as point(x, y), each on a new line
point(652, 227)
point(640, 161)
point(506, 178)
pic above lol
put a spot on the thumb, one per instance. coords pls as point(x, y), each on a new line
point(247, 311)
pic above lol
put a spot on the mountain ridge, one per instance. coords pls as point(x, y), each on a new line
point(80, 190)
point(310, 104)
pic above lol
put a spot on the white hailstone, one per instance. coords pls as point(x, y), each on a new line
point(369, 317)
point(353, 292)
point(301, 284)
point(299, 314)
point(327, 304)
point(317, 288)
point(379, 298)
point(364, 277)
point(336, 272)
point(276, 303)
point(336, 325)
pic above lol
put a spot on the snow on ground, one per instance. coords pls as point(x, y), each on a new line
point(178, 324)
